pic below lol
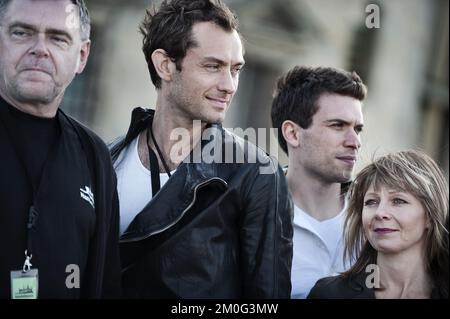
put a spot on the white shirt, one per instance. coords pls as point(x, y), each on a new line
point(318, 250)
point(134, 184)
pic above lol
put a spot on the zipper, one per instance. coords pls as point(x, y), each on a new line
point(197, 187)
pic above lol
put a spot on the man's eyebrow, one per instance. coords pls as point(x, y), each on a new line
point(22, 25)
point(220, 62)
point(337, 121)
point(31, 27)
point(211, 59)
point(59, 32)
point(342, 121)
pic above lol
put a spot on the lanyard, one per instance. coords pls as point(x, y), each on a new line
point(37, 189)
point(154, 165)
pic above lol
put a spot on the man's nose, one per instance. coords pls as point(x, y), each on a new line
point(228, 83)
point(39, 47)
point(352, 140)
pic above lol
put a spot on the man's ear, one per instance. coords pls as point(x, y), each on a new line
point(291, 133)
point(84, 55)
point(164, 65)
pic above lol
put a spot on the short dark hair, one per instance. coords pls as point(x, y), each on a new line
point(85, 21)
point(297, 93)
point(170, 28)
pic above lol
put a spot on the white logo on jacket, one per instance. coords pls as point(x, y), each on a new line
point(87, 195)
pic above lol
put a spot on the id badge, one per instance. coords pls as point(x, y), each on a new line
point(24, 285)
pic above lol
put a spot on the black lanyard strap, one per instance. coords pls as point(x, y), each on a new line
point(166, 167)
point(37, 187)
point(31, 228)
point(154, 165)
point(154, 170)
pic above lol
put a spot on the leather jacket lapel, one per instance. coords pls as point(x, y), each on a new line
point(178, 194)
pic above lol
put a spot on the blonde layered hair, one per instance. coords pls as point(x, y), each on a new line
point(408, 171)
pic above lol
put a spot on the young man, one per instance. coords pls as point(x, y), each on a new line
point(214, 229)
point(318, 111)
point(58, 200)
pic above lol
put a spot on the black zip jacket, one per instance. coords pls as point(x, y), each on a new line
point(65, 233)
point(214, 230)
point(103, 278)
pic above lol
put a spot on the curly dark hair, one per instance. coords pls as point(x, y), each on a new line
point(170, 28)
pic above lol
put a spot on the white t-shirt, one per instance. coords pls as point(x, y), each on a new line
point(134, 184)
point(318, 250)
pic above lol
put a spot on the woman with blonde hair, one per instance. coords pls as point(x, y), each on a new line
point(396, 231)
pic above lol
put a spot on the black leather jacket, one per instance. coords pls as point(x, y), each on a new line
point(349, 287)
point(218, 230)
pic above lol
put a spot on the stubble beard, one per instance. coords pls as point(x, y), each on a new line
point(329, 172)
point(193, 110)
point(23, 94)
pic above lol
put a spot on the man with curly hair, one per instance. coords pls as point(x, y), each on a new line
point(198, 228)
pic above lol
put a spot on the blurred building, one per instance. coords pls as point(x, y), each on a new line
point(404, 63)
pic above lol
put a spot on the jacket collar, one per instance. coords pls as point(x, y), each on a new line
point(358, 285)
point(175, 197)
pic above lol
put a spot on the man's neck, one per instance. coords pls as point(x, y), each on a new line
point(35, 109)
point(175, 135)
point(319, 199)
